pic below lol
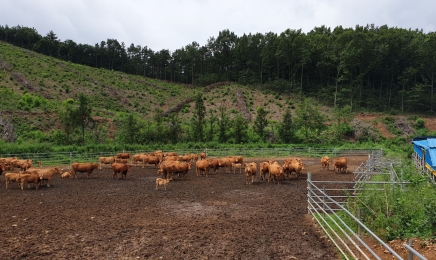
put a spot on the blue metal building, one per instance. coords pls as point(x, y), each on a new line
point(425, 153)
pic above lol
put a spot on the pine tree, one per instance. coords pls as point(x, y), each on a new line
point(285, 127)
point(260, 123)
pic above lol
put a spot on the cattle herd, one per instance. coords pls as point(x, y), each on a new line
point(167, 164)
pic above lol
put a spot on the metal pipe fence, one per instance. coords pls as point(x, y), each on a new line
point(329, 208)
point(66, 158)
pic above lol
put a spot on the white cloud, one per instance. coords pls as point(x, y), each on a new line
point(172, 24)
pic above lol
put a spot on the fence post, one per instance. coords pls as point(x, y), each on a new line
point(323, 201)
point(410, 252)
point(309, 188)
point(71, 158)
point(358, 230)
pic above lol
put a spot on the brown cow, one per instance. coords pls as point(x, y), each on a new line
point(21, 164)
point(170, 154)
point(226, 163)
point(106, 160)
point(185, 158)
point(29, 178)
point(139, 158)
point(8, 160)
point(171, 158)
point(202, 166)
point(325, 163)
point(275, 171)
point(118, 160)
point(83, 167)
point(237, 158)
point(290, 167)
point(163, 182)
point(121, 168)
point(164, 169)
point(202, 156)
point(179, 168)
point(46, 174)
point(213, 164)
point(263, 170)
point(153, 159)
point(157, 152)
point(340, 164)
point(123, 155)
point(194, 157)
point(2, 167)
point(250, 172)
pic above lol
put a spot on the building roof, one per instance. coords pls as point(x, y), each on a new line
point(429, 144)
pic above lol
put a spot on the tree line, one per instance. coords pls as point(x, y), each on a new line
point(366, 67)
point(307, 126)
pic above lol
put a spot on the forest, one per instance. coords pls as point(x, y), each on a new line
point(368, 68)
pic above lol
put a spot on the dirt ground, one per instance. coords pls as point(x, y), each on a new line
point(215, 217)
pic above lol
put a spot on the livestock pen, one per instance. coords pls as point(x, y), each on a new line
point(66, 158)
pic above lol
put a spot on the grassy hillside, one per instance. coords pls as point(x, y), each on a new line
point(39, 84)
point(33, 86)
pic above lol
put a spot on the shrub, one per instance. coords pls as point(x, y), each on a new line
point(419, 123)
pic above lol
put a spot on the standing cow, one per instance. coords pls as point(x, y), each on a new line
point(340, 164)
point(83, 167)
point(325, 163)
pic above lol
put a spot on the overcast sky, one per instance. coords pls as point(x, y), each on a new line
point(173, 24)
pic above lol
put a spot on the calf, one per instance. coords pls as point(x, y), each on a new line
point(236, 166)
point(66, 174)
point(12, 177)
point(162, 182)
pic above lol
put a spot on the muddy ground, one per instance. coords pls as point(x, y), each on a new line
point(218, 217)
